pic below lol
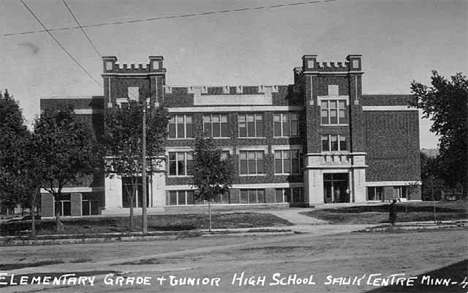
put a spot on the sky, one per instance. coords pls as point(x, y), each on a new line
point(399, 40)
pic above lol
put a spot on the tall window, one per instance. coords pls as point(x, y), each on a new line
point(180, 163)
point(333, 112)
point(181, 126)
point(286, 124)
point(250, 125)
point(333, 143)
point(215, 125)
point(287, 162)
point(251, 162)
point(252, 196)
point(375, 193)
point(65, 205)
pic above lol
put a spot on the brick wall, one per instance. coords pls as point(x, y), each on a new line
point(75, 202)
point(392, 140)
point(47, 205)
point(234, 142)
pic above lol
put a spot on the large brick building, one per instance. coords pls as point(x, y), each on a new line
point(317, 141)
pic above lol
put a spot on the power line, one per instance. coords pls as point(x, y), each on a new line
point(78, 23)
point(60, 45)
point(172, 17)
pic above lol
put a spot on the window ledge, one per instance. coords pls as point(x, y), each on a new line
point(256, 137)
point(287, 174)
point(188, 138)
point(251, 175)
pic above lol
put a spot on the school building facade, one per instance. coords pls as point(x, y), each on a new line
point(317, 141)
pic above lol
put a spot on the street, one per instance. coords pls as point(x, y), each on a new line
point(311, 262)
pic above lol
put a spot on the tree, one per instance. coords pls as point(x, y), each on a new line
point(63, 150)
point(12, 131)
point(123, 143)
point(432, 184)
point(18, 179)
point(212, 174)
point(446, 104)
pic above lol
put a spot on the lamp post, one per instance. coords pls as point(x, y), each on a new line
point(144, 221)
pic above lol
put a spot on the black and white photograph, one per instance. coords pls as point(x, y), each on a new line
point(233, 146)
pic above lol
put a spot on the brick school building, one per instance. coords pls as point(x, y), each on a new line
point(320, 140)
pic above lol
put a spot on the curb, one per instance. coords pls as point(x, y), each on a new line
point(114, 237)
point(418, 227)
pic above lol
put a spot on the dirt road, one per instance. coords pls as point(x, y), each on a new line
point(320, 262)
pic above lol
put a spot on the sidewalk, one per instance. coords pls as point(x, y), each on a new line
point(294, 216)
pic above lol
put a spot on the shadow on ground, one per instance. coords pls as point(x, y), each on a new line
point(452, 280)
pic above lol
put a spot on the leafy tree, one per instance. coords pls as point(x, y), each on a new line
point(445, 102)
point(432, 184)
point(212, 174)
point(123, 143)
point(64, 150)
point(12, 131)
point(18, 179)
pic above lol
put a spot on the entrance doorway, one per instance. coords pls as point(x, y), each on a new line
point(336, 187)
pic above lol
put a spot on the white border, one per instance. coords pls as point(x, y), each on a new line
point(239, 186)
point(392, 183)
point(77, 189)
point(388, 108)
point(234, 109)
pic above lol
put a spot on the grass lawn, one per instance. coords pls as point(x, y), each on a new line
point(406, 212)
point(182, 222)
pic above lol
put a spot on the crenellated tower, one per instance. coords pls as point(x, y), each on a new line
point(335, 145)
point(122, 80)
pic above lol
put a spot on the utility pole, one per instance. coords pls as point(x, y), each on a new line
point(144, 222)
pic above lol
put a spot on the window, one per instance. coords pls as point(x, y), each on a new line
point(287, 162)
point(180, 163)
point(65, 205)
point(375, 193)
point(222, 198)
point(333, 112)
point(251, 162)
point(250, 125)
point(286, 124)
point(133, 93)
point(251, 196)
point(181, 197)
point(334, 143)
point(215, 125)
point(400, 192)
point(127, 189)
point(290, 195)
point(89, 207)
point(181, 126)
point(225, 155)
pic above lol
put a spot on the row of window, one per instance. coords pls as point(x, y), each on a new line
point(377, 193)
point(250, 162)
point(249, 125)
point(245, 196)
point(334, 143)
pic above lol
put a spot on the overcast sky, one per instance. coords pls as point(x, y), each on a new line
point(400, 41)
